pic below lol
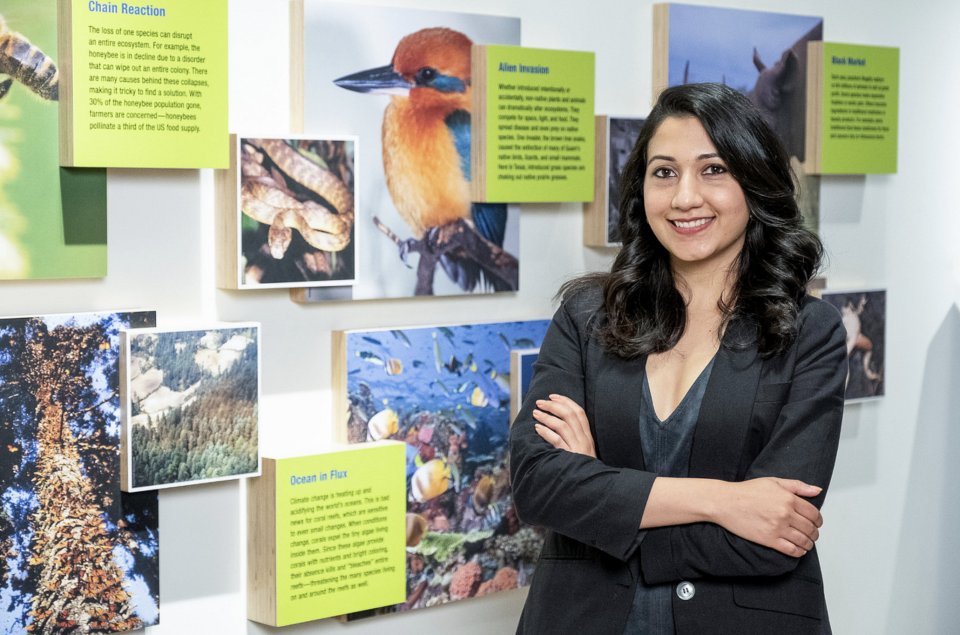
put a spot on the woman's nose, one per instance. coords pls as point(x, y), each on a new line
point(687, 194)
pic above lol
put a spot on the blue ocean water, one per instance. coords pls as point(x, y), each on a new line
point(461, 371)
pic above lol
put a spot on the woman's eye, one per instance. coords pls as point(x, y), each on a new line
point(715, 169)
point(663, 173)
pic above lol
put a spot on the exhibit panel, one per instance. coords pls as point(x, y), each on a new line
point(285, 213)
point(77, 553)
point(354, 71)
point(326, 534)
point(616, 137)
point(189, 405)
point(143, 86)
point(445, 392)
point(53, 221)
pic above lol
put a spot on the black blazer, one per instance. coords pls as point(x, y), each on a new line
point(759, 417)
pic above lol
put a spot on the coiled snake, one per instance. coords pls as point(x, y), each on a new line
point(264, 196)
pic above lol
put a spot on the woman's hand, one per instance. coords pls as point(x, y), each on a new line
point(564, 425)
point(771, 512)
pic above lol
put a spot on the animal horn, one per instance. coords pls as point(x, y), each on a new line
point(757, 61)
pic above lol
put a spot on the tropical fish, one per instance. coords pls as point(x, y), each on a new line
point(416, 529)
point(400, 335)
point(430, 480)
point(393, 366)
point(382, 425)
point(469, 360)
point(463, 386)
point(441, 384)
point(470, 342)
point(447, 333)
point(483, 495)
point(372, 340)
point(417, 363)
point(477, 398)
point(354, 371)
point(453, 365)
point(524, 342)
point(469, 418)
point(506, 342)
point(367, 356)
point(437, 355)
point(502, 380)
point(454, 428)
point(455, 476)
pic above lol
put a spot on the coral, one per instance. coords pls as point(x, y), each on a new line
point(466, 580)
point(505, 580)
point(521, 546)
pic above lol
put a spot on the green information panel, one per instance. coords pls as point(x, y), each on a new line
point(860, 108)
point(539, 125)
point(148, 85)
point(340, 532)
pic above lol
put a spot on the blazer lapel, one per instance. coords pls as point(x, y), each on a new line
point(726, 407)
point(617, 411)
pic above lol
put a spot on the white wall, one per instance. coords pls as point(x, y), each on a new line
point(889, 551)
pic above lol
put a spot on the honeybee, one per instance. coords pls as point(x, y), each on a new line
point(27, 64)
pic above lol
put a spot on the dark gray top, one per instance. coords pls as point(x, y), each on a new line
point(666, 452)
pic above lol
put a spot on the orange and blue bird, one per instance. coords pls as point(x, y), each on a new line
point(426, 141)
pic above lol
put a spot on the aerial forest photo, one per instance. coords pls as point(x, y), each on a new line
point(192, 404)
point(76, 555)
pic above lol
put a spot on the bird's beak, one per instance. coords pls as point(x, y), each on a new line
point(377, 81)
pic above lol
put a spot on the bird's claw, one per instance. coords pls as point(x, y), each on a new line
point(406, 247)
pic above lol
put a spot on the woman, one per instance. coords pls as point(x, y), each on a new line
point(683, 419)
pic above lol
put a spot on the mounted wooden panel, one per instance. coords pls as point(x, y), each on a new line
point(326, 534)
point(616, 137)
point(521, 372)
point(445, 392)
point(151, 87)
point(852, 108)
point(532, 125)
point(285, 213)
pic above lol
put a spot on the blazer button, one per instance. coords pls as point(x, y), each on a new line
point(686, 590)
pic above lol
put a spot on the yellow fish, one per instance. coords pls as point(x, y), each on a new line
point(430, 480)
point(382, 425)
point(394, 366)
point(478, 398)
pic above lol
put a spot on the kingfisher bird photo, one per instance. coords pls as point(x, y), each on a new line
point(426, 161)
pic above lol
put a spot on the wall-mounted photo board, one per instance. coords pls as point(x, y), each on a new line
point(445, 392)
point(189, 404)
point(285, 213)
point(53, 220)
point(865, 319)
point(416, 229)
point(325, 534)
point(521, 372)
point(79, 554)
point(616, 137)
point(759, 53)
point(533, 112)
point(852, 108)
point(143, 85)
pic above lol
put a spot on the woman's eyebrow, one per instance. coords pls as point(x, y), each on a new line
point(702, 157)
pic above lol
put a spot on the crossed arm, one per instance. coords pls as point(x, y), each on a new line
point(695, 527)
point(768, 511)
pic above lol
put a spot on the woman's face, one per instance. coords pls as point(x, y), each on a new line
point(694, 205)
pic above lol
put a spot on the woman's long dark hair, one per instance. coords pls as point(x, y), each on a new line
point(645, 313)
